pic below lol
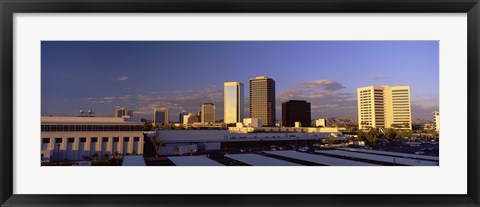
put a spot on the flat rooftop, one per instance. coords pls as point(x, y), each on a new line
point(259, 160)
point(133, 160)
point(319, 159)
point(395, 154)
point(86, 120)
point(378, 158)
point(193, 161)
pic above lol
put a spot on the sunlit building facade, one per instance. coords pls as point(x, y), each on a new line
point(262, 99)
point(75, 138)
point(161, 116)
point(384, 107)
point(436, 119)
point(208, 113)
point(233, 102)
point(180, 116)
point(321, 123)
point(190, 119)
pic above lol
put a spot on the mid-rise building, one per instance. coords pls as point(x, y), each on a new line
point(161, 116)
point(208, 114)
point(123, 112)
point(262, 99)
point(180, 116)
point(233, 102)
point(321, 123)
point(75, 138)
point(190, 118)
point(384, 107)
point(296, 111)
point(436, 119)
point(252, 122)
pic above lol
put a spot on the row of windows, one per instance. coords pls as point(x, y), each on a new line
point(93, 139)
point(54, 128)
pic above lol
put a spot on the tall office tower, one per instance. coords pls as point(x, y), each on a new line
point(180, 116)
point(296, 111)
point(262, 99)
point(436, 119)
point(123, 112)
point(208, 113)
point(161, 116)
point(384, 107)
point(232, 102)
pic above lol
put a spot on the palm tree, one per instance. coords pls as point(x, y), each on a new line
point(95, 156)
point(158, 143)
point(116, 154)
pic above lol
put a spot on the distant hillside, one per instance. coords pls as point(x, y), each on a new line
point(341, 120)
point(420, 121)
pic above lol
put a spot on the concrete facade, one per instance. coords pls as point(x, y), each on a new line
point(161, 116)
point(384, 107)
point(208, 114)
point(71, 138)
point(262, 100)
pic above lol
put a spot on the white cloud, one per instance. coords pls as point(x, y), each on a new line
point(326, 97)
point(123, 78)
point(327, 85)
point(378, 78)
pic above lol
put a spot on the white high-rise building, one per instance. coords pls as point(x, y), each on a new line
point(384, 107)
point(233, 102)
point(436, 119)
point(161, 116)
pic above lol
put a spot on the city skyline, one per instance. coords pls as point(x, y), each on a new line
point(102, 75)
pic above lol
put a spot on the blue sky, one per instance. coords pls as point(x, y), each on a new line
point(181, 75)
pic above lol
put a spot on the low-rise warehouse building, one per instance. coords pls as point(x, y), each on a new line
point(73, 138)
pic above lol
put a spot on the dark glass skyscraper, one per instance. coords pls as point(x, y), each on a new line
point(262, 99)
point(296, 111)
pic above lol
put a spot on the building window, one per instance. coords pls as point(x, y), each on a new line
point(116, 139)
point(46, 140)
point(94, 139)
point(126, 139)
point(136, 139)
point(58, 140)
point(71, 140)
point(105, 139)
point(83, 139)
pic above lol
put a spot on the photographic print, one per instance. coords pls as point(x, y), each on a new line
point(239, 103)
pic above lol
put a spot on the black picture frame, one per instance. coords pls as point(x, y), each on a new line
point(10, 7)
